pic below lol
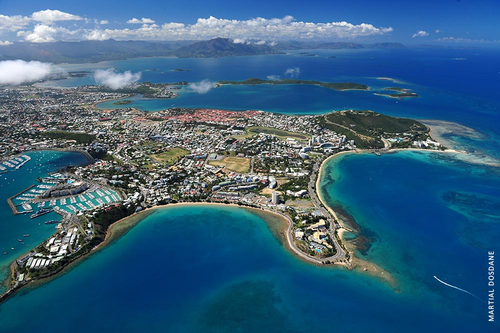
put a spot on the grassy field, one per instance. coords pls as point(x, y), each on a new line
point(170, 156)
point(279, 133)
point(236, 164)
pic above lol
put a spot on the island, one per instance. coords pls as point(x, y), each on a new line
point(399, 93)
point(341, 86)
point(122, 102)
point(268, 163)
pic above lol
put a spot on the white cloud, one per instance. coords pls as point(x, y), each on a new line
point(144, 20)
point(172, 25)
point(50, 16)
point(5, 42)
point(96, 35)
point(273, 77)
point(201, 87)
point(114, 80)
point(13, 23)
point(439, 31)
point(43, 33)
point(293, 72)
point(258, 28)
point(239, 41)
point(15, 72)
point(421, 33)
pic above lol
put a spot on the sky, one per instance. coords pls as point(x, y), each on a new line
point(409, 22)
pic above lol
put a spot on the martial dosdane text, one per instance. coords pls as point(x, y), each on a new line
point(491, 286)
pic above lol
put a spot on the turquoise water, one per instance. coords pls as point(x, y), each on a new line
point(219, 269)
point(13, 227)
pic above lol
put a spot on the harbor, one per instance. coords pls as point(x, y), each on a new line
point(62, 195)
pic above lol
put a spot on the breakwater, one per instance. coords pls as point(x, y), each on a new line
point(11, 204)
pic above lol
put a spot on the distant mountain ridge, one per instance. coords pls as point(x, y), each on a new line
point(93, 51)
point(87, 51)
point(300, 45)
point(222, 47)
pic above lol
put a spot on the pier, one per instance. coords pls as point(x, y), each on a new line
point(11, 204)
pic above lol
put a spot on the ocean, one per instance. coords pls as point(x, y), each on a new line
point(219, 269)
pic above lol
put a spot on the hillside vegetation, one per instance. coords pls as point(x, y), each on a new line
point(367, 127)
point(81, 138)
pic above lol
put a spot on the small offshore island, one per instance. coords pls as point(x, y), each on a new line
point(269, 163)
point(340, 86)
point(123, 102)
point(398, 93)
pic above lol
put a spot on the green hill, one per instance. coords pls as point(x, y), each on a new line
point(366, 127)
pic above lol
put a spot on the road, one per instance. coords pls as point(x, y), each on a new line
point(340, 254)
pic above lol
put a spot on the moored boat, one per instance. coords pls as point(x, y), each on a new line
point(41, 212)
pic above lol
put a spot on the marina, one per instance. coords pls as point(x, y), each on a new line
point(34, 196)
point(14, 163)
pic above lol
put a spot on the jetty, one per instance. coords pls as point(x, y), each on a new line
point(11, 204)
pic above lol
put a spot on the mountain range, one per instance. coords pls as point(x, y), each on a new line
point(93, 51)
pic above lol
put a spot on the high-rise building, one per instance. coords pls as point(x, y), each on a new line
point(275, 198)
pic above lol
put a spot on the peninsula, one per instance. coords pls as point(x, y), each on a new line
point(264, 161)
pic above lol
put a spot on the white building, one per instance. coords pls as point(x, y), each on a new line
point(275, 198)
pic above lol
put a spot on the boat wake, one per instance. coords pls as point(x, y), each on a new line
point(455, 287)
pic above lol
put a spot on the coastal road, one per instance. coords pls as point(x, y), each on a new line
point(340, 254)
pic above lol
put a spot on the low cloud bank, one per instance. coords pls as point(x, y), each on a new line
point(293, 72)
point(201, 87)
point(110, 78)
point(16, 72)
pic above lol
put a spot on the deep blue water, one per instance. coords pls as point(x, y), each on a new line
point(13, 227)
point(201, 269)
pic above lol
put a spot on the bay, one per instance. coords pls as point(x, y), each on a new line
point(219, 269)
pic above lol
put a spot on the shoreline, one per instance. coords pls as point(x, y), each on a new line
point(358, 264)
point(124, 225)
point(110, 100)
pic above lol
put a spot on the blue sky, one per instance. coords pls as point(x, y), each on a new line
point(409, 22)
